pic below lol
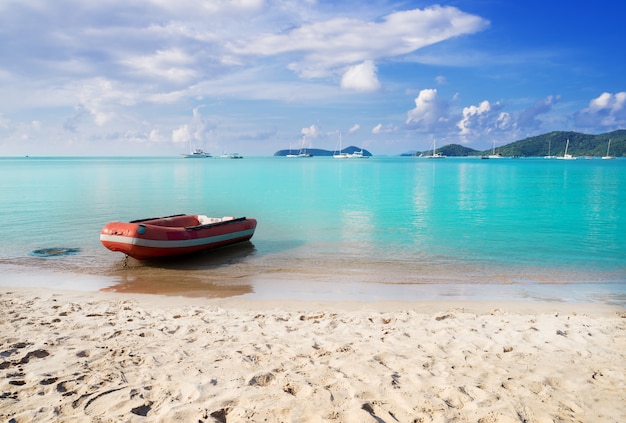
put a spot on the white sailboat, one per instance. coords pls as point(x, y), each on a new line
point(565, 155)
point(435, 155)
point(302, 153)
point(549, 156)
point(338, 154)
point(608, 157)
point(291, 155)
point(493, 154)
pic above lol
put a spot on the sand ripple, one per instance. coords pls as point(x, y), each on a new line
point(110, 359)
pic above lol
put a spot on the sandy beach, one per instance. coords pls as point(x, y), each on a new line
point(107, 357)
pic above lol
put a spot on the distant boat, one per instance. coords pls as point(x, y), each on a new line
point(608, 157)
point(291, 155)
point(175, 235)
point(565, 155)
point(339, 154)
point(358, 155)
point(302, 153)
point(493, 154)
point(435, 155)
point(197, 154)
point(231, 156)
point(549, 156)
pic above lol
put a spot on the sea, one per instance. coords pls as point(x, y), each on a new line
point(376, 229)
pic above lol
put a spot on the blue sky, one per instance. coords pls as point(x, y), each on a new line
point(156, 77)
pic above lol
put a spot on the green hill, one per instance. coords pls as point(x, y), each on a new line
point(454, 150)
point(554, 143)
point(324, 153)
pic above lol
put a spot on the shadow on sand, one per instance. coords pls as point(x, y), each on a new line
point(214, 274)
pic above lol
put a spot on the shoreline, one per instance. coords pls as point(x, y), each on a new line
point(428, 306)
point(104, 356)
point(297, 285)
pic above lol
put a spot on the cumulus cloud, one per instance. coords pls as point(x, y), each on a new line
point(196, 132)
point(608, 110)
point(484, 119)
point(361, 77)
point(430, 111)
point(382, 129)
point(311, 131)
point(354, 128)
point(181, 135)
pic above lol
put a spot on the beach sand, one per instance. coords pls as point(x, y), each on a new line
point(110, 357)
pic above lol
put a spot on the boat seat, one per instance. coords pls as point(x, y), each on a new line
point(205, 220)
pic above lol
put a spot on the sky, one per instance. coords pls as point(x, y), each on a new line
point(160, 77)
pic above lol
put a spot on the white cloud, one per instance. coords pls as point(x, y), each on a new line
point(328, 45)
point(430, 111)
point(311, 131)
point(155, 136)
point(173, 64)
point(102, 99)
point(485, 119)
point(608, 110)
point(196, 132)
point(473, 114)
point(354, 128)
point(181, 135)
point(361, 77)
point(210, 8)
point(380, 129)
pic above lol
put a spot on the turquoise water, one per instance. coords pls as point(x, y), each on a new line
point(381, 228)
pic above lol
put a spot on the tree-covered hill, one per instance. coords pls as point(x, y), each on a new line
point(320, 152)
point(455, 150)
point(554, 143)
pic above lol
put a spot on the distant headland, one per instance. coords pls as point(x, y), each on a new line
point(323, 153)
point(550, 144)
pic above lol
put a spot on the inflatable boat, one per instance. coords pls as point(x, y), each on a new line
point(175, 235)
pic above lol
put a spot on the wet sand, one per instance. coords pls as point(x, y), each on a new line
point(106, 356)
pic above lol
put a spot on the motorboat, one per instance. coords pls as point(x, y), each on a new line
point(231, 156)
point(197, 154)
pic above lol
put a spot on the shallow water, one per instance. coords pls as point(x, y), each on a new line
point(381, 228)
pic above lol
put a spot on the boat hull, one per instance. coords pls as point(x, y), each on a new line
point(174, 235)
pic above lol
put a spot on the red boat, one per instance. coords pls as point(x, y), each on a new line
point(175, 235)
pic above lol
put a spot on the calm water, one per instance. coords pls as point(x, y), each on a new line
point(381, 228)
